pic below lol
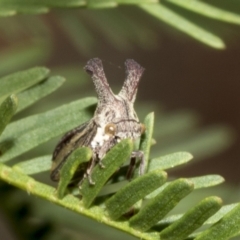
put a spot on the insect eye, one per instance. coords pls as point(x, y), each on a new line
point(143, 128)
point(110, 129)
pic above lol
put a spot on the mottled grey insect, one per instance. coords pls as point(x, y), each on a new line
point(114, 119)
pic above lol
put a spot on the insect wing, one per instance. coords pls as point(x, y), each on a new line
point(78, 137)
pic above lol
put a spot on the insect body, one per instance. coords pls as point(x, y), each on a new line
point(114, 119)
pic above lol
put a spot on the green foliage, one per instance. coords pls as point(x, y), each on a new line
point(7, 110)
point(145, 143)
point(34, 166)
point(208, 10)
point(118, 155)
point(192, 219)
point(76, 158)
point(30, 96)
point(157, 197)
point(227, 227)
point(149, 197)
point(28, 133)
point(165, 11)
point(19, 81)
point(160, 205)
point(127, 196)
point(169, 161)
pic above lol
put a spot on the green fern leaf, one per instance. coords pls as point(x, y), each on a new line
point(167, 15)
point(7, 109)
point(157, 197)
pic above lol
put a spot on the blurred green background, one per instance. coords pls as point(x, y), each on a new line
point(192, 87)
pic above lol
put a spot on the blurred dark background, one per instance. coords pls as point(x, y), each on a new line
point(181, 73)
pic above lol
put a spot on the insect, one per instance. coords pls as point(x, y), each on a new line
point(114, 119)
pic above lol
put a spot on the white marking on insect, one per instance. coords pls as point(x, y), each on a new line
point(100, 138)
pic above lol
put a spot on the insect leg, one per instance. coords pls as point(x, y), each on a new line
point(140, 154)
point(131, 168)
point(134, 155)
point(88, 172)
point(101, 164)
point(91, 165)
